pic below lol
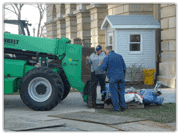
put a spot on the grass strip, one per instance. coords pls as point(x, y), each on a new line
point(163, 114)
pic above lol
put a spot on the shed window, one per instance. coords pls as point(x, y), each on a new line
point(110, 39)
point(134, 47)
point(135, 42)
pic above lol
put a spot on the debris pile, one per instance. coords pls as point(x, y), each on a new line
point(152, 96)
point(135, 99)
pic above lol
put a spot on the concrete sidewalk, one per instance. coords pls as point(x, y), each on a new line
point(169, 95)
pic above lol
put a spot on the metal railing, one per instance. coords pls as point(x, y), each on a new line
point(83, 42)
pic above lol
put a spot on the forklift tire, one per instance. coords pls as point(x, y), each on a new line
point(67, 86)
point(91, 99)
point(41, 89)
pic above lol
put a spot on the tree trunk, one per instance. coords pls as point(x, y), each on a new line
point(39, 26)
point(19, 28)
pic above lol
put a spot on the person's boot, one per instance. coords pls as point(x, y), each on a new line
point(103, 97)
point(122, 109)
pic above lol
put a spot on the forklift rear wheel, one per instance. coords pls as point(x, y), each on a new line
point(41, 89)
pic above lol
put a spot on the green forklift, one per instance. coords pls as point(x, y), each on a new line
point(42, 87)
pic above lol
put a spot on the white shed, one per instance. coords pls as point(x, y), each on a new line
point(132, 36)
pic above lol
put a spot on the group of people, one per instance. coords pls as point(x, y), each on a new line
point(112, 65)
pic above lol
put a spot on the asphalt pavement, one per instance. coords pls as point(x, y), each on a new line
point(18, 117)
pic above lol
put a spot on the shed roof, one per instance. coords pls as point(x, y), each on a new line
point(130, 21)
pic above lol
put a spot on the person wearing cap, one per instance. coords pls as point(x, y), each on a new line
point(115, 67)
point(94, 60)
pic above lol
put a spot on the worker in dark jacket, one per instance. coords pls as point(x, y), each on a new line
point(115, 67)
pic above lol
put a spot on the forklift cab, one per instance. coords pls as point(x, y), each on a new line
point(22, 24)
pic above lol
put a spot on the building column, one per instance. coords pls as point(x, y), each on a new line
point(83, 22)
point(60, 21)
point(51, 24)
point(167, 66)
point(97, 12)
point(70, 21)
point(61, 28)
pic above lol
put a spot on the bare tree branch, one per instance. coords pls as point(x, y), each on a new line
point(16, 10)
point(13, 11)
point(41, 9)
point(16, 7)
point(42, 28)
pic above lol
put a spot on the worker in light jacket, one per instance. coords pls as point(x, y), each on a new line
point(95, 59)
point(115, 66)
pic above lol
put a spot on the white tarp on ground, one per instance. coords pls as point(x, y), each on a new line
point(133, 97)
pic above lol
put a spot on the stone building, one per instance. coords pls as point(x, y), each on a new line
point(168, 45)
point(83, 22)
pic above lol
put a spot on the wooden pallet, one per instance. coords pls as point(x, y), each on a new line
point(135, 106)
point(130, 106)
point(106, 106)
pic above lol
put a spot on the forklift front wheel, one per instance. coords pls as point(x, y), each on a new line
point(41, 89)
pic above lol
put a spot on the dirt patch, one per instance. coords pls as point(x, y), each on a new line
point(157, 124)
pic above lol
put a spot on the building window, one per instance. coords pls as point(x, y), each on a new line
point(135, 42)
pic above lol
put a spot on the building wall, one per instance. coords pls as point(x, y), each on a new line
point(83, 21)
point(130, 9)
point(70, 21)
point(168, 45)
point(138, 9)
point(75, 28)
point(97, 14)
point(147, 57)
point(60, 21)
point(60, 24)
point(51, 24)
